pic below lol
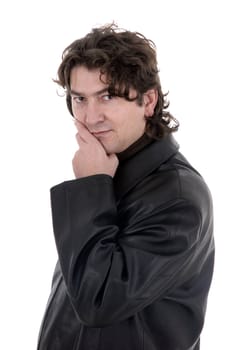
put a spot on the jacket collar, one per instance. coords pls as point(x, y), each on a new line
point(141, 164)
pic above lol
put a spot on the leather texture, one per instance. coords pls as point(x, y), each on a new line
point(136, 257)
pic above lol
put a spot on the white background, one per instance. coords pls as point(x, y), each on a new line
point(195, 52)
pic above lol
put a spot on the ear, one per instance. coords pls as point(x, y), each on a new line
point(150, 100)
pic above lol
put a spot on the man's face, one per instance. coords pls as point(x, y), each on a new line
point(114, 121)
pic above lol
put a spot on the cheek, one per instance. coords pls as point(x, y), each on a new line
point(76, 113)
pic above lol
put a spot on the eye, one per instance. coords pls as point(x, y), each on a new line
point(107, 97)
point(78, 99)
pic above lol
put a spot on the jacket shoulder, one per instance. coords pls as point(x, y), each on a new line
point(175, 180)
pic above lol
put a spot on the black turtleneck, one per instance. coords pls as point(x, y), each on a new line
point(137, 146)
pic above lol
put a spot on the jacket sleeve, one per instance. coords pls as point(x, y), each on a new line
point(116, 264)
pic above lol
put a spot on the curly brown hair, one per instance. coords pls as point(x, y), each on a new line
point(128, 60)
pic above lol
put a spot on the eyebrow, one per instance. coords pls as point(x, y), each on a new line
point(99, 92)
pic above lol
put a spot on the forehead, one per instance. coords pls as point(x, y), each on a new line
point(90, 79)
point(88, 82)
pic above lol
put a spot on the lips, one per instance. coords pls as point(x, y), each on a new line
point(100, 133)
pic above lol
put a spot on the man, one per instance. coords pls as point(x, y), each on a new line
point(134, 229)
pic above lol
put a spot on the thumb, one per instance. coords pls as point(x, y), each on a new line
point(84, 133)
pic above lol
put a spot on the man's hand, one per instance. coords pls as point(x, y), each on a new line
point(91, 158)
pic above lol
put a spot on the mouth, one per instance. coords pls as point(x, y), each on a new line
point(100, 133)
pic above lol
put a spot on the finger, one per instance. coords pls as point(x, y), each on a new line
point(79, 125)
point(85, 133)
point(80, 140)
point(76, 123)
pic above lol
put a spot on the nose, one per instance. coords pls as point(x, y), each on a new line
point(93, 113)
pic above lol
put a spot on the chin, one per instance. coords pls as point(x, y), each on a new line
point(110, 149)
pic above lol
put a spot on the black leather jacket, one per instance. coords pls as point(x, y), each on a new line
point(135, 257)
